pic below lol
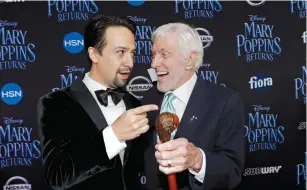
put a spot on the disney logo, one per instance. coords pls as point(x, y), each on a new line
point(74, 69)
point(137, 19)
point(4, 23)
point(261, 108)
point(256, 18)
point(11, 120)
point(207, 65)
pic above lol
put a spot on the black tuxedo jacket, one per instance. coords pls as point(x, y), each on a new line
point(218, 131)
point(73, 150)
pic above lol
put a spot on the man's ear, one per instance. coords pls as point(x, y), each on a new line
point(92, 53)
point(191, 61)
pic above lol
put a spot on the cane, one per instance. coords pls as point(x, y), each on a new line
point(166, 123)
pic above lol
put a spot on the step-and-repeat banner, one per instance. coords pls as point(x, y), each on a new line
point(257, 48)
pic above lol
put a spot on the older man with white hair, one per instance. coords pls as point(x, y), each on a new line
point(207, 149)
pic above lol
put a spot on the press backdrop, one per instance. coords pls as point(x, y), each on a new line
point(257, 48)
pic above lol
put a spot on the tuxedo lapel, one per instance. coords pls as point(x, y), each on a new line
point(194, 111)
point(80, 92)
point(129, 105)
point(128, 101)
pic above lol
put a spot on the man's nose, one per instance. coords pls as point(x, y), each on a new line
point(155, 62)
point(129, 61)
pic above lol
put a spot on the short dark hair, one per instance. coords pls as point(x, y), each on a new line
point(94, 34)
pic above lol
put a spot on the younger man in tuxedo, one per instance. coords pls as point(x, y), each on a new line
point(87, 128)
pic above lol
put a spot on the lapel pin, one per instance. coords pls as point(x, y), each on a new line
point(193, 118)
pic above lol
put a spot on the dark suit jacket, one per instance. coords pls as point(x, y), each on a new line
point(73, 150)
point(218, 131)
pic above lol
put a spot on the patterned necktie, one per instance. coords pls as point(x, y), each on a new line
point(169, 107)
point(168, 104)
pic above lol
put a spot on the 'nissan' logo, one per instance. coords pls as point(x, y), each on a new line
point(138, 84)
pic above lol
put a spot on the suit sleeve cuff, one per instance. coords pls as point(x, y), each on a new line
point(200, 176)
point(112, 144)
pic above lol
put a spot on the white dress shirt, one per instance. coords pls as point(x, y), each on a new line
point(111, 113)
point(183, 94)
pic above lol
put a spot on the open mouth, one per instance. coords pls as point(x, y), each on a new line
point(124, 73)
point(162, 74)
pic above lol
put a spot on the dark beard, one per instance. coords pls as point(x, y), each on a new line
point(119, 82)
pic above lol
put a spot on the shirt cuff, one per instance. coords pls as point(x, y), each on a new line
point(112, 144)
point(200, 176)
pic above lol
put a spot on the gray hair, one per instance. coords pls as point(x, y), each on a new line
point(188, 38)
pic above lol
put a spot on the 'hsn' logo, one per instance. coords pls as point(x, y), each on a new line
point(73, 42)
point(260, 83)
point(11, 94)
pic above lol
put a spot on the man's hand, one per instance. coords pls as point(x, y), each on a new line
point(132, 123)
point(178, 155)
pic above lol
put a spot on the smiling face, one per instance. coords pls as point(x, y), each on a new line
point(172, 68)
point(112, 66)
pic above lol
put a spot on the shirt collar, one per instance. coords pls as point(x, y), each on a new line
point(184, 92)
point(92, 84)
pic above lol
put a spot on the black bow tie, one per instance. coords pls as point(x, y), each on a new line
point(116, 94)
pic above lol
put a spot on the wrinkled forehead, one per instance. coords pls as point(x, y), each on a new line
point(165, 43)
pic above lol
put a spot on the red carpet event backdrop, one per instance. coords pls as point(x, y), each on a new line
point(257, 48)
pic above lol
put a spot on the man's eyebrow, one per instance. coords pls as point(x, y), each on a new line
point(124, 48)
point(121, 47)
point(162, 50)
